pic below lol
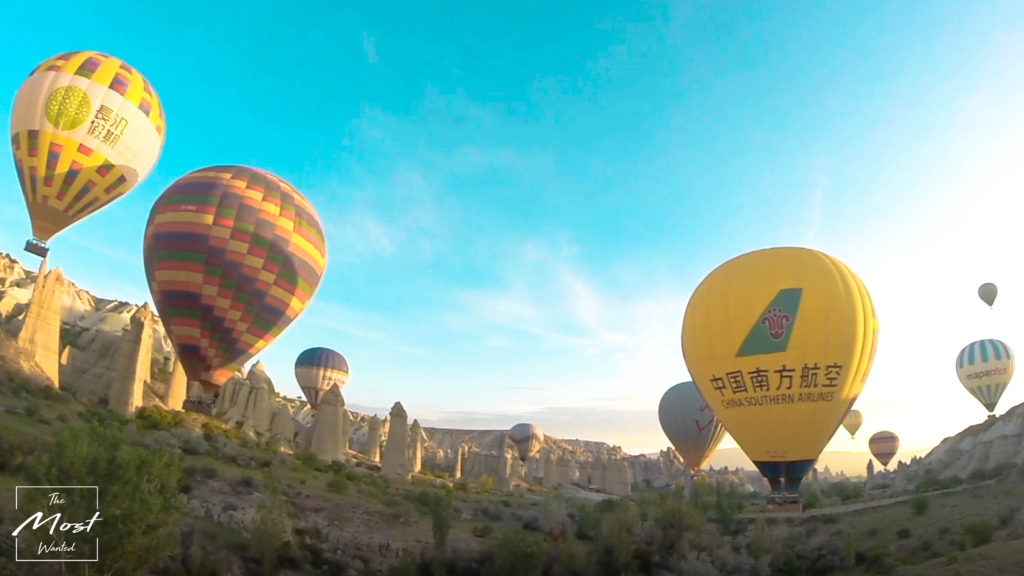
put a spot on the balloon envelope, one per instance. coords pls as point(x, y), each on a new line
point(85, 129)
point(985, 368)
point(527, 438)
point(883, 446)
point(233, 255)
point(317, 369)
point(780, 342)
point(690, 424)
point(852, 422)
point(987, 292)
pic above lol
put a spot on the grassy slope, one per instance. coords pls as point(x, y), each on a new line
point(372, 508)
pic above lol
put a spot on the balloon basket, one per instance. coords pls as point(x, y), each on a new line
point(785, 503)
point(36, 247)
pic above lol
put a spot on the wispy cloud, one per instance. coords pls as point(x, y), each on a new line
point(611, 347)
point(817, 196)
point(381, 330)
point(370, 48)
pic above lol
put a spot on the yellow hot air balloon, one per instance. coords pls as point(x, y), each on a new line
point(85, 129)
point(780, 342)
point(852, 421)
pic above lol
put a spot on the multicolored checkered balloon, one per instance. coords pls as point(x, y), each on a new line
point(233, 255)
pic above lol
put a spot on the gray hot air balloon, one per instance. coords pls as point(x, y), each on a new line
point(690, 424)
point(987, 292)
point(527, 438)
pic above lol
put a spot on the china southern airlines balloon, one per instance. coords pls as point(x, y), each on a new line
point(780, 342)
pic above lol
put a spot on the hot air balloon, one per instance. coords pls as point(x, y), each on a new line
point(883, 446)
point(852, 421)
point(985, 368)
point(317, 369)
point(689, 424)
point(780, 342)
point(987, 292)
point(85, 129)
point(233, 255)
point(527, 438)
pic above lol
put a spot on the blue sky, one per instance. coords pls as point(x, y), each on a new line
point(520, 199)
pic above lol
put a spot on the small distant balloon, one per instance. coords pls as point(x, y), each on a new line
point(985, 368)
point(527, 438)
point(852, 422)
point(987, 292)
point(883, 446)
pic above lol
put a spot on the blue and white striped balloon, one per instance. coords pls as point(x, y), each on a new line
point(985, 368)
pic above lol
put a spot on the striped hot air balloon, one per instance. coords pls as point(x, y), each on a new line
point(86, 128)
point(317, 369)
point(985, 368)
point(883, 446)
point(233, 256)
point(690, 424)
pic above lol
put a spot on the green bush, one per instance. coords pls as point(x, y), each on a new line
point(919, 504)
point(482, 530)
point(150, 418)
point(485, 485)
point(309, 460)
point(978, 533)
point(140, 504)
point(517, 553)
point(338, 483)
point(903, 533)
point(213, 429)
point(439, 506)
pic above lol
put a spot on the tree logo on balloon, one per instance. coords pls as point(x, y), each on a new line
point(773, 327)
point(67, 107)
point(776, 321)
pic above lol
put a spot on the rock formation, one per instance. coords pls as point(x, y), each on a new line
point(174, 397)
point(619, 478)
point(346, 430)
point(282, 425)
point(40, 332)
point(416, 439)
point(550, 477)
point(132, 364)
point(328, 431)
point(247, 400)
point(395, 462)
point(372, 450)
